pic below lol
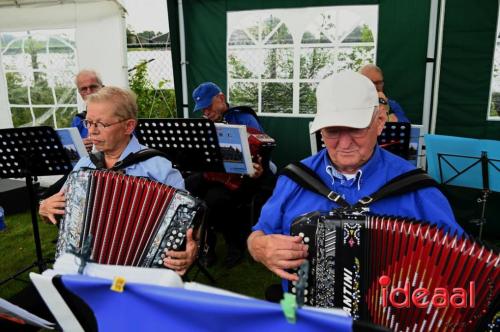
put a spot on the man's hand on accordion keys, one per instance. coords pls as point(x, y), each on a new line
point(180, 261)
point(278, 252)
point(52, 206)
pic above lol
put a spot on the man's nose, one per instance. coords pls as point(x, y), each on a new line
point(345, 138)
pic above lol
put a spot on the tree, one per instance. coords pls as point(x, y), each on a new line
point(152, 103)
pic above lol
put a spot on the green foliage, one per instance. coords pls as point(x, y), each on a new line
point(152, 103)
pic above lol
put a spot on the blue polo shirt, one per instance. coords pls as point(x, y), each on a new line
point(156, 168)
point(238, 117)
point(289, 200)
point(398, 110)
point(78, 123)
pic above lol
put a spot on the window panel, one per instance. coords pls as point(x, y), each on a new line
point(242, 93)
point(277, 97)
point(494, 105)
point(278, 50)
point(39, 67)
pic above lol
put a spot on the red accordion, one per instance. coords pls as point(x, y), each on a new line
point(126, 220)
point(404, 275)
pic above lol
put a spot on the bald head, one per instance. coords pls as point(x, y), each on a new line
point(374, 73)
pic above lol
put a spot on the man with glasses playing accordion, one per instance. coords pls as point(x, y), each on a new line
point(344, 212)
point(111, 119)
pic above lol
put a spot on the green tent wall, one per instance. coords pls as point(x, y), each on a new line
point(465, 72)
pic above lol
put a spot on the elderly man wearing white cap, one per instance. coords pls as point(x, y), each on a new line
point(352, 164)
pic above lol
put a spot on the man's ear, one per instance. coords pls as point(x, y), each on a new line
point(380, 120)
point(131, 124)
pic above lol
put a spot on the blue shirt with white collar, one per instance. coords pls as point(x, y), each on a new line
point(290, 200)
point(156, 168)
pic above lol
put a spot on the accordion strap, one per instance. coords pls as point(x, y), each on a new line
point(306, 178)
point(406, 182)
point(97, 158)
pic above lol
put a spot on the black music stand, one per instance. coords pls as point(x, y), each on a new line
point(190, 144)
point(395, 138)
point(30, 152)
point(470, 167)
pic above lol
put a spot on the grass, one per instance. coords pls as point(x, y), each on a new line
point(17, 250)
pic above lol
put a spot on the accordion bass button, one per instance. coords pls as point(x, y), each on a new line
point(306, 239)
point(174, 232)
point(294, 283)
point(301, 234)
point(160, 262)
point(175, 246)
point(294, 290)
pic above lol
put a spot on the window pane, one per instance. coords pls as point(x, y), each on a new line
point(21, 116)
point(353, 58)
point(277, 97)
point(244, 94)
point(41, 93)
point(307, 98)
point(281, 36)
point(245, 63)
point(316, 63)
point(239, 37)
point(44, 116)
point(17, 88)
point(278, 63)
point(65, 94)
point(64, 116)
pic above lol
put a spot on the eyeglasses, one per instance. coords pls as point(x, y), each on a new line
point(334, 132)
point(382, 101)
point(99, 125)
point(91, 87)
point(379, 82)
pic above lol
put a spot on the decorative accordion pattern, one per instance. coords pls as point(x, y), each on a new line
point(131, 220)
point(404, 275)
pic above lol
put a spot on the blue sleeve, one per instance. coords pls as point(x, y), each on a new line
point(398, 110)
point(250, 121)
point(435, 207)
point(271, 220)
point(77, 122)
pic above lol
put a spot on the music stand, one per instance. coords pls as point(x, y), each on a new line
point(30, 152)
point(190, 144)
point(465, 162)
point(395, 138)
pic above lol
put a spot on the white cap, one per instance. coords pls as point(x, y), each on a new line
point(346, 99)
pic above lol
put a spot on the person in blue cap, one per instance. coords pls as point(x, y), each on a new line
point(210, 100)
point(223, 202)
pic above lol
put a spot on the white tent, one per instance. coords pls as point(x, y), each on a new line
point(99, 30)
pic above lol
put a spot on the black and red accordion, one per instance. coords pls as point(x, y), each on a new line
point(401, 274)
point(126, 220)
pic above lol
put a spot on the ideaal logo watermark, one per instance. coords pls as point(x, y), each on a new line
point(421, 297)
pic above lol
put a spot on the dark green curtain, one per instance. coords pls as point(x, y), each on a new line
point(467, 59)
point(402, 44)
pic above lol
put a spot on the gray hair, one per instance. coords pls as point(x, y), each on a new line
point(125, 101)
point(88, 72)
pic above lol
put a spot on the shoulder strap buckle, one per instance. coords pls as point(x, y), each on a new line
point(366, 200)
point(333, 196)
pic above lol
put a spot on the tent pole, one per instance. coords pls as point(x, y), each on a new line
point(182, 42)
point(429, 67)
point(438, 68)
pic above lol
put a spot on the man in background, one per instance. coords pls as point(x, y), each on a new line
point(87, 82)
point(395, 112)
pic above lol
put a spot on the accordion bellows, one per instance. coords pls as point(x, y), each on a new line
point(404, 275)
point(130, 220)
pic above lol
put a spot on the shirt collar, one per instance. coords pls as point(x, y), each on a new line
point(368, 168)
point(132, 146)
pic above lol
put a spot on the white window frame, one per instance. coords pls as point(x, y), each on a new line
point(297, 21)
